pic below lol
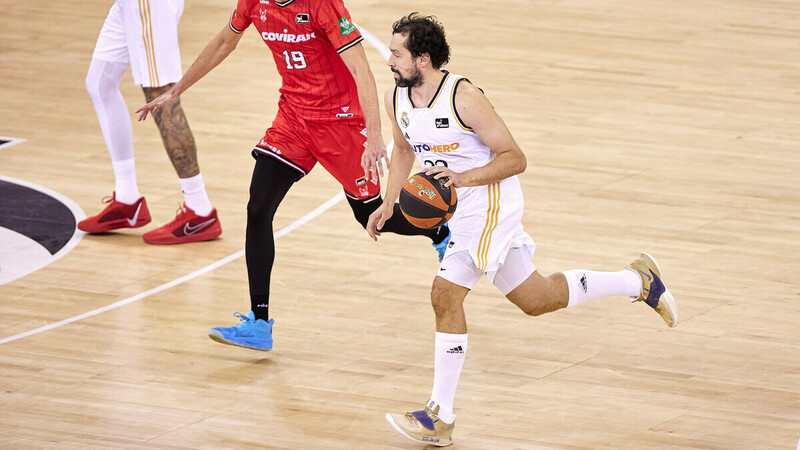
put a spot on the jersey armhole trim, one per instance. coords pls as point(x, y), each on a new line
point(230, 24)
point(453, 105)
point(350, 44)
point(394, 102)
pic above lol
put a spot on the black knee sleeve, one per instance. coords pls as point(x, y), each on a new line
point(396, 224)
point(363, 208)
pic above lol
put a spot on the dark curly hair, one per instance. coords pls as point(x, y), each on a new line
point(425, 35)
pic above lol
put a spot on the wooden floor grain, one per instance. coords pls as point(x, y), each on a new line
point(665, 127)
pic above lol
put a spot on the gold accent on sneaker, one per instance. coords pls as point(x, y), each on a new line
point(417, 426)
point(654, 292)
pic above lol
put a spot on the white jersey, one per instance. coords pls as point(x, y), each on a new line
point(487, 219)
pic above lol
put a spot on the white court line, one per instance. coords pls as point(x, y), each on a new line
point(11, 141)
point(293, 226)
point(283, 231)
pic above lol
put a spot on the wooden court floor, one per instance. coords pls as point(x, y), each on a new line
point(666, 127)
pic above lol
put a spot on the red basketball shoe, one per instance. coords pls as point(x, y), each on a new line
point(117, 215)
point(186, 227)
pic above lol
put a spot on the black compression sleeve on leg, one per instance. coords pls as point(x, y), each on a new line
point(270, 183)
point(396, 224)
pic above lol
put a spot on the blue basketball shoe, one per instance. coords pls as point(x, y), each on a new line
point(441, 247)
point(249, 333)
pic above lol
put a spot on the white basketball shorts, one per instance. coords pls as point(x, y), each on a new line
point(144, 35)
point(459, 268)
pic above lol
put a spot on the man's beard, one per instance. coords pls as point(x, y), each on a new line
point(415, 79)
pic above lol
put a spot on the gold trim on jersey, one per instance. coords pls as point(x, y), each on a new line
point(147, 32)
point(492, 216)
point(453, 106)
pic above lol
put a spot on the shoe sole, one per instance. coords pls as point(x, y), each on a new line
point(666, 296)
point(217, 337)
point(391, 422)
point(111, 226)
point(184, 240)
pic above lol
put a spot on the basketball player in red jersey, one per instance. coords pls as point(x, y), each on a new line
point(328, 113)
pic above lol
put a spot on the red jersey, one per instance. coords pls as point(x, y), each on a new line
point(306, 37)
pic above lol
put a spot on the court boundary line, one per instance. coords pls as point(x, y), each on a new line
point(384, 51)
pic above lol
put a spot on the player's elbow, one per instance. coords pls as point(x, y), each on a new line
point(520, 163)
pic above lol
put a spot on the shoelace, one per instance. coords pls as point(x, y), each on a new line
point(179, 213)
point(107, 199)
point(242, 317)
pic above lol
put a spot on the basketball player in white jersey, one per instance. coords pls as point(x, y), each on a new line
point(143, 35)
point(453, 130)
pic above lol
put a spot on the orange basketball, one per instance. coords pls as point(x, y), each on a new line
point(426, 202)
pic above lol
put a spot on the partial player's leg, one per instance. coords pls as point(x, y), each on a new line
point(270, 183)
point(196, 220)
point(156, 66)
point(362, 208)
point(126, 208)
point(434, 423)
point(535, 294)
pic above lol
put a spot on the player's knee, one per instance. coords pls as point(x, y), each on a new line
point(93, 86)
point(97, 85)
point(535, 308)
point(362, 210)
point(441, 301)
point(260, 209)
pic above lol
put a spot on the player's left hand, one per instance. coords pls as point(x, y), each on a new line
point(453, 178)
point(374, 157)
point(378, 218)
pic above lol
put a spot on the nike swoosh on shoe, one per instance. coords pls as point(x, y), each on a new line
point(189, 230)
point(132, 221)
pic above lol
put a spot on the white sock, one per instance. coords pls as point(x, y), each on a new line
point(449, 359)
point(125, 189)
point(586, 286)
point(195, 196)
point(102, 83)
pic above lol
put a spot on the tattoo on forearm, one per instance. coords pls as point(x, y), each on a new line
point(176, 134)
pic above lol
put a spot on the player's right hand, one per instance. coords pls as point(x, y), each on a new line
point(378, 218)
point(374, 157)
point(157, 103)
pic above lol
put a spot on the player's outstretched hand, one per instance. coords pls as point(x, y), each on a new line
point(157, 103)
point(374, 157)
point(378, 218)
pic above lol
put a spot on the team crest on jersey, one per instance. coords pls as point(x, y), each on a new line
point(345, 26)
point(263, 13)
point(302, 18)
point(404, 120)
point(442, 122)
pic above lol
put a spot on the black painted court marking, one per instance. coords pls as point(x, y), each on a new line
point(9, 141)
point(37, 227)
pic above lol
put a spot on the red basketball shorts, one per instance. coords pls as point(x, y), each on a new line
point(337, 145)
